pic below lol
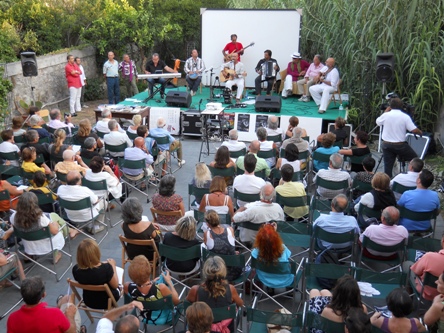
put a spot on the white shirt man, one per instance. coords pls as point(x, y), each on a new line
point(408, 179)
point(8, 145)
point(328, 80)
point(102, 125)
point(238, 76)
point(137, 153)
point(248, 183)
point(55, 121)
point(233, 144)
point(334, 174)
point(115, 138)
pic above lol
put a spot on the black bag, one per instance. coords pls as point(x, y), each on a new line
point(327, 257)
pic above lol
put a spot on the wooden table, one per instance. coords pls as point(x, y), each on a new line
point(144, 113)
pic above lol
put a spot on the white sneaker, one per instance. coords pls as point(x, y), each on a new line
point(301, 99)
point(192, 93)
point(305, 99)
point(181, 163)
point(84, 106)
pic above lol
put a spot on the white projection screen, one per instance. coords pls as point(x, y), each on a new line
point(276, 30)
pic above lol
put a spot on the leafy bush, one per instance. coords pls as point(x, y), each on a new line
point(94, 90)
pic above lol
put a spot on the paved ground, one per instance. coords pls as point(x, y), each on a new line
point(111, 247)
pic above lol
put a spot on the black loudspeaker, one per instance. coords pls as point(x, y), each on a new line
point(29, 63)
point(268, 104)
point(385, 64)
point(178, 98)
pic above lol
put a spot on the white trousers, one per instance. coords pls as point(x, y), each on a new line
point(321, 95)
point(288, 85)
point(74, 99)
point(301, 84)
point(240, 83)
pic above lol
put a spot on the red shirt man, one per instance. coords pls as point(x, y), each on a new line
point(72, 73)
point(233, 46)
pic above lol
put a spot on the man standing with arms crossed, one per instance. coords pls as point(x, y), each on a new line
point(111, 75)
point(72, 73)
point(83, 81)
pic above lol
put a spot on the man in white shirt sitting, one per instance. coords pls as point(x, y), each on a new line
point(8, 145)
point(273, 129)
point(334, 174)
point(248, 183)
point(233, 144)
point(74, 191)
point(137, 153)
point(56, 122)
point(102, 125)
point(266, 145)
point(408, 179)
point(115, 138)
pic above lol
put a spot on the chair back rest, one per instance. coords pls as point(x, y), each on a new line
point(223, 218)
point(75, 205)
point(246, 197)
point(314, 320)
point(129, 164)
point(227, 172)
point(39, 159)
point(42, 233)
point(369, 244)
point(338, 143)
point(276, 173)
point(155, 212)
point(327, 271)
point(361, 186)
point(44, 140)
point(332, 185)
point(238, 153)
point(321, 157)
point(164, 303)
point(101, 134)
point(293, 201)
point(44, 198)
point(143, 243)
point(416, 216)
point(266, 153)
point(4, 195)
point(12, 156)
point(112, 303)
point(424, 244)
point(369, 212)
point(197, 191)
point(357, 159)
point(274, 267)
point(116, 148)
point(274, 138)
point(161, 140)
point(19, 138)
point(250, 226)
point(260, 173)
point(61, 176)
point(182, 254)
point(231, 260)
point(334, 238)
point(132, 136)
point(399, 188)
point(294, 320)
point(97, 185)
point(396, 278)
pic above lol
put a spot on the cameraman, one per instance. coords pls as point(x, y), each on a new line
point(396, 123)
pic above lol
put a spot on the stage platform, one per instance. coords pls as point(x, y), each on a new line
point(245, 119)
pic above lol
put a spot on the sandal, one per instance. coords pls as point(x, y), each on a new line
point(83, 329)
point(58, 299)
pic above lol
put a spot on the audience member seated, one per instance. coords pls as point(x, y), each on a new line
point(8, 262)
point(125, 324)
point(218, 198)
point(199, 318)
point(99, 171)
point(289, 188)
point(8, 145)
point(222, 161)
point(291, 158)
point(420, 200)
point(387, 233)
point(134, 227)
point(167, 200)
point(219, 239)
point(336, 305)
point(85, 132)
point(90, 270)
point(89, 149)
point(380, 197)
point(6, 205)
point(174, 144)
point(74, 191)
point(40, 187)
point(29, 155)
point(258, 212)
point(142, 288)
point(297, 140)
point(400, 304)
point(137, 153)
point(36, 316)
point(183, 237)
point(150, 143)
point(293, 123)
point(366, 176)
point(248, 183)
point(326, 149)
point(116, 138)
point(57, 148)
point(261, 164)
point(435, 314)
point(339, 131)
point(17, 124)
point(216, 291)
point(35, 123)
point(71, 162)
point(233, 144)
point(336, 222)
point(430, 262)
point(269, 249)
point(273, 129)
point(333, 174)
point(56, 122)
point(29, 217)
point(408, 179)
point(201, 179)
point(361, 149)
point(137, 120)
point(32, 138)
point(102, 125)
point(266, 145)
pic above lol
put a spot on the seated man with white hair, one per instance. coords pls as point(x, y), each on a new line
point(116, 138)
point(71, 161)
point(56, 121)
point(334, 174)
point(161, 132)
point(35, 123)
point(102, 125)
point(266, 145)
point(297, 140)
point(233, 144)
point(273, 129)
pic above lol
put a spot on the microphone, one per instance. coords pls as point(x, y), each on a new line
point(211, 69)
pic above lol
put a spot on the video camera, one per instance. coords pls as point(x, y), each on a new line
point(406, 108)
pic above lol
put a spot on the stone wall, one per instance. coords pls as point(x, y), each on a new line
point(50, 84)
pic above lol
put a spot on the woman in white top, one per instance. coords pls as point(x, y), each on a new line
point(217, 200)
point(29, 217)
point(137, 120)
point(99, 171)
point(291, 157)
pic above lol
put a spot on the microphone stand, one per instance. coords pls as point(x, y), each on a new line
point(211, 86)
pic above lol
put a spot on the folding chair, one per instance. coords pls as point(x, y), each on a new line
point(295, 202)
point(420, 216)
point(318, 206)
point(196, 192)
point(12, 156)
point(399, 188)
point(101, 185)
point(355, 159)
point(228, 172)
point(101, 134)
point(361, 186)
point(135, 181)
point(46, 199)
point(81, 204)
point(266, 153)
point(316, 156)
point(61, 177)
point(277, 268)
point(162, 304)
point(156, 212)
point(171, 153)
point(314, 320)
point(276, 173)
point(42, 234)
point(7, 276)
point(238, 153)
point(246, 225)
point(416, 243)
point(274, 138)
point(335, 239)
point(260, 173)
point(181, 254)
point(245, 197)
point(115, 149)
point(257, 320)
point(132, 136)
point(112, 303)
point(296, 240)
point(142, 243)
point(396, 261)
point(332, 185)
point(428, 281)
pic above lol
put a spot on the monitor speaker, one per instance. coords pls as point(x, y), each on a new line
point(29, 63)
point(178, 98)
point(268, 104)
point(385, 66)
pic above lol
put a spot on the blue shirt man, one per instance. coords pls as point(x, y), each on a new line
point(174, 144)
point(111, 74)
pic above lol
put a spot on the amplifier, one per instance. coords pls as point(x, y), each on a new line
point(268, 104)
point(191, 123)
point(178, 98)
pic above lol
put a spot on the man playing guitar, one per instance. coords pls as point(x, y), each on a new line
point(234, 72)
point(232, 47)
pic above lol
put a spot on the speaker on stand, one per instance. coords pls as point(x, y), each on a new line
point(29, 69)
point(385, 67)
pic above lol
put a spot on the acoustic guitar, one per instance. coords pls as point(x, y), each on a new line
point(226, 74)
point(227, 57)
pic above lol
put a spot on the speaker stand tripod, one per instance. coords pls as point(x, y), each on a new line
point(32, 91)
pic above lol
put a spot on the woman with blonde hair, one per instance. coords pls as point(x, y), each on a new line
point(201, 179)
point(90, 270)
point(137, 120)
point(85, 132)
point(218, 199)
point(58, 147)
